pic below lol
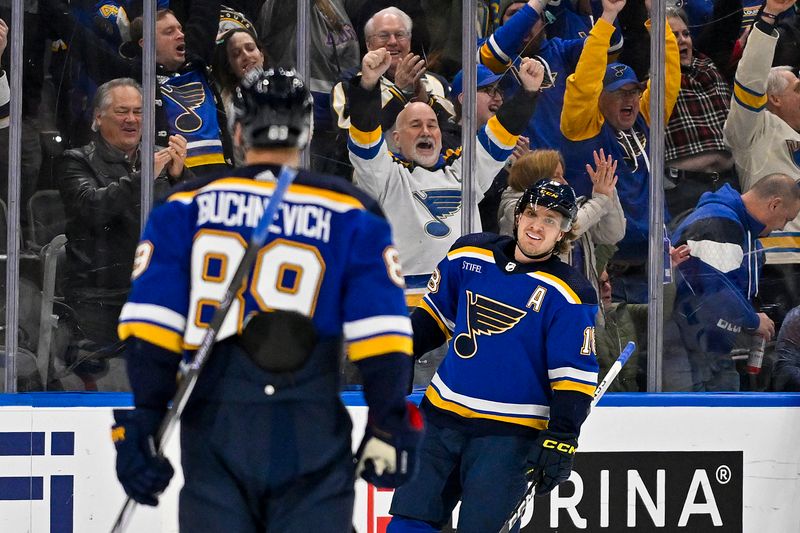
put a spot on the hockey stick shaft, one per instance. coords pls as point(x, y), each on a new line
point(601, 389)
point(192, 371)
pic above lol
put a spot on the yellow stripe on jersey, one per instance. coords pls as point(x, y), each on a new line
point(433, 396)
point(413, 299)
point(494, 63)
point(780, 241)
point(750, 99)
point(565, 384)
point(560, 283)
point(380, 345)
point(427, 308)
point(162, 337)
point(365, 138)
point(396, 92)
point(496, 130)
point(469, 250)
point(205, 159)
point(270, 186)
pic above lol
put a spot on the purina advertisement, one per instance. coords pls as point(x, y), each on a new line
point(643, 469)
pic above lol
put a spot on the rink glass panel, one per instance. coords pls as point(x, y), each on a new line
point(66, 334)
point(64, 341)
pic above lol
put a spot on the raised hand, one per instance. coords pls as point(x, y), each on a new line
point(374, 65)
point(522, 147)
point(409, 71)
point(531, 74)
point(611, 9)
point(3, 36)
point(603, 175)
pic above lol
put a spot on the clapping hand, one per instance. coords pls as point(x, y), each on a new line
point(177, 153)
point(409, 72)
point(603, 175)
point(172, 157)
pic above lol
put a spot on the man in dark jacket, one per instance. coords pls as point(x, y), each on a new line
point(716, 285)
point(187, 102)
point(100, 187)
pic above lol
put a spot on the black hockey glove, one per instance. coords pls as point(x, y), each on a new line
point(550, 460)
point(142, 473)
point(387, 458)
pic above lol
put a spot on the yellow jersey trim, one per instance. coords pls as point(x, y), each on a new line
point(380, 345)
point(205, 159)
point(574, 386)
point(458, 252)
point(161, 337)
point(433, 396)
point(365, 138)
point(560, 283)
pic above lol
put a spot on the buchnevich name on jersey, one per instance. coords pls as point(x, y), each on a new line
point(235, 209)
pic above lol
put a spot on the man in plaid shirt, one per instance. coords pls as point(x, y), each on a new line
point(696, 157)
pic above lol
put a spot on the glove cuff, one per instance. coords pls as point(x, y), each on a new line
point(146, 420)
point(558, 435)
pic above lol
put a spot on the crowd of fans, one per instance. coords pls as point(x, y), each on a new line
point(568, 77)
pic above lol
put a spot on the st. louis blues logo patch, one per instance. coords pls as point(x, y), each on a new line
point(186, 98)
point(441, 204)
point(794, 150)
point(485, 316)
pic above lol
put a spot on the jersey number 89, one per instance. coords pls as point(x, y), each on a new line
point(287, 275)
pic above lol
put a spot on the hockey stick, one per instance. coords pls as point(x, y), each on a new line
point(519, 510)
point(191, 372)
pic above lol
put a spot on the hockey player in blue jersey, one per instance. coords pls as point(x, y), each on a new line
point(265, 438)
point(518, 378)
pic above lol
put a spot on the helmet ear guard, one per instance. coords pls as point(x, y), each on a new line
point(273, 108)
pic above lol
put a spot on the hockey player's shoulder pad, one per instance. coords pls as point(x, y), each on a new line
point(484, 240)
point(574, 279)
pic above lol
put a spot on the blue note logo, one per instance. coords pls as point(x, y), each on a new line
point(187, 98)
point(440, 204)
point(485, 316)
point(32, 488)
point(794, 150)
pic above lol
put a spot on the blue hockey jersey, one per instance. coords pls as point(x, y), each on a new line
point(329, 257)
point(191, 111)
point(517, 333)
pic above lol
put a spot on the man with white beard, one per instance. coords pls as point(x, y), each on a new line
point(418, 187)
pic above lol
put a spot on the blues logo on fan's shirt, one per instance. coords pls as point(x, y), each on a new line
point(191, 111)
